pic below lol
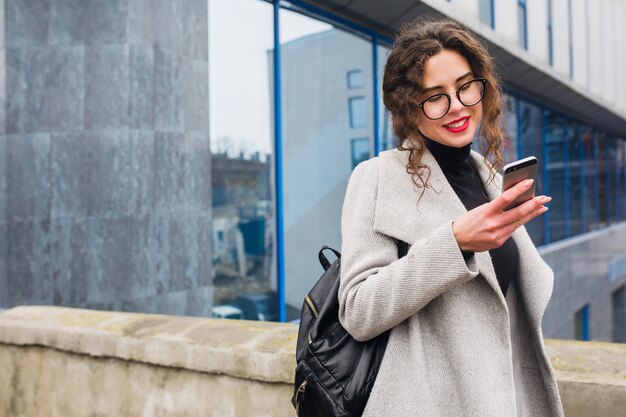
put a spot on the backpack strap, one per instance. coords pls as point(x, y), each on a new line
point(403, 249)
point(323, 260)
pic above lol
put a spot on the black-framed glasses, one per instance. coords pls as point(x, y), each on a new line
point(469, 94)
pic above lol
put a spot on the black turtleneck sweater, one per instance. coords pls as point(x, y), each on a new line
point(462, 175)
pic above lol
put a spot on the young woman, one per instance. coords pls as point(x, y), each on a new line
point(465, 305)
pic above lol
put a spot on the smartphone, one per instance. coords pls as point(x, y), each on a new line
point(519, 171)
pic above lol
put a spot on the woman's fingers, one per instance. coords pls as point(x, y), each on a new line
point(523, 210)
point(507, 197)
point(512, 227)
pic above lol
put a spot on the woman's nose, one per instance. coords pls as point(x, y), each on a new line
point(455, 104)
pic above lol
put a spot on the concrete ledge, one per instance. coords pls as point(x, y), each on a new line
point(60, 361)
point(591, 377)
point(246, 349)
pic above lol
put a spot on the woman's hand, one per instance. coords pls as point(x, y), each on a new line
point(488, 226)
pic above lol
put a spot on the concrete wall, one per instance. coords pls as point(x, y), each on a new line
point(104, 155)
point(62, 362)
point(581, 276)
point(538, 45)
point(597, 32)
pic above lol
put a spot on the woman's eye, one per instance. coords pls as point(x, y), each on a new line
point(465, 87)
point(435, 99)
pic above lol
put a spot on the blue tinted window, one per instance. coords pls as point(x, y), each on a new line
point(618, 184)
point(612, 180)
point(358, 112)
point(360, 150)
point(576, 178)
point(604, 178)
point(522, 24)
point(621, 177)
point(590, 169)
point(355, 79)
point(556, 160)
point(318, 126)
point(486, 12)
point(388, 139)
point(582, 323)
point(510, 144)
point(530, 130)
point(242, 156)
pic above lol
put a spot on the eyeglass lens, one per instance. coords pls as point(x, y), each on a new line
point(438, 105)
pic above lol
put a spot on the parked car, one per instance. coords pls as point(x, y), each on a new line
point(227, 312)
point(258, 306)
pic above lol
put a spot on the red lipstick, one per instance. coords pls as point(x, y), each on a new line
point(461, 125)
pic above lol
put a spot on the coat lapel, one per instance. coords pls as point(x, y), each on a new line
point(400, 215)
point(535, 280)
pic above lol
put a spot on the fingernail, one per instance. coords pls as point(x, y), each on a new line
point(545, 199)
point(528, 183)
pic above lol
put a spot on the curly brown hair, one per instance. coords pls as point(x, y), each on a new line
point(402, 89)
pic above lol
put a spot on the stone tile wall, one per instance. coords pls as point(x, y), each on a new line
point(105, 195)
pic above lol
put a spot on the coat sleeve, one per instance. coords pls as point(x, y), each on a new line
point(377, 290)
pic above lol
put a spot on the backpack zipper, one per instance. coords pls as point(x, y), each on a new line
point(311, 305)
point(301, 389)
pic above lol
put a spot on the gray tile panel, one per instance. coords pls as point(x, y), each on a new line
point(195, 43)
point(27, 22)
point(141, 88)
point(26, 89)
point(2, 24)
point(45, 89)
point(20, 286)
point(167, 91)
point(110, 272)
point(195, 90)
point(88, 22)
point(3, 86)
point(141, 18)
point(168, 24)
point(67, 22)
point(65, 88)
point(112, 185)
point(3, 224)
point(28, 177)
point(106, 22)
point(4, 297)
point(152, 248)
point(70, 175)
point(92, 174)
point(106, 87)
point(143, 170)
point(45, 262)
point(3, 181)
point(169, 164)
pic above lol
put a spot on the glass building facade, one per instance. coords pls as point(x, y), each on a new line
point(331, 115)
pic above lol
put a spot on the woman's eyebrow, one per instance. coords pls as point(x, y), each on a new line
point(439, 87)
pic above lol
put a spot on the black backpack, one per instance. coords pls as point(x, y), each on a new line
point(334, 373)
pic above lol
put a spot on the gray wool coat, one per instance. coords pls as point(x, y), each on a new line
point(457, 346)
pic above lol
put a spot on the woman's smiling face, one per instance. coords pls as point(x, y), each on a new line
point(446, 72)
